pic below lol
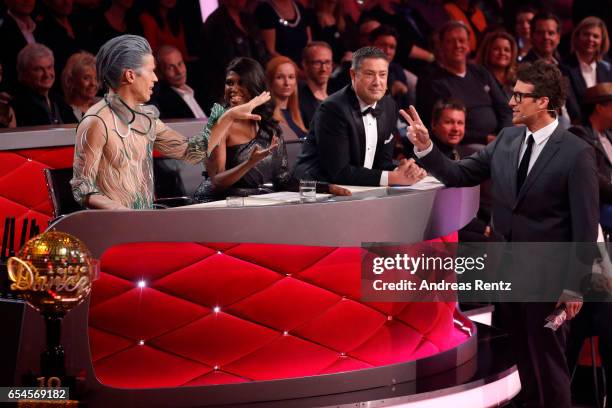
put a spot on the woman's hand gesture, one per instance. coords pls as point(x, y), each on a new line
point(259, 153)
point(243, 112)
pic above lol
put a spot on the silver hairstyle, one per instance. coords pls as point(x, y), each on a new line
point(29, 53)
point(119, 54)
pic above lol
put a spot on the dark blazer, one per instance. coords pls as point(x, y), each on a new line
point(12, 42)
point(169, 102)
point(559, 199)
point(604, 165)
point(334, 150)
point(571, 69)
point(31, 109)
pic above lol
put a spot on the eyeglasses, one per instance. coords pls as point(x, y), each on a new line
point(518, 96)
point(320, 63)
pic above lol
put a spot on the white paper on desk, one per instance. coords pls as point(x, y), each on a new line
point(428, 183)
point(285, 196)
point(361, 189)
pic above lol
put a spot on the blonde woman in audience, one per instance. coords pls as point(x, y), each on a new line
point(497, 53)
point(80, 83)
point(281, 74)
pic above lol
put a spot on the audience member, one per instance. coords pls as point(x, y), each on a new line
point(58, 31)
point(545, 37)
point(586, 66)
point(7, 115)
point(331, 26)
point(34, 102)
point(498, 54)
point(172, 96)
point(249, 149)
point(161, 25)
point(284, 28)
point(17, 29)
point(468, 12)
point(281, 74)
point(229, 32)
point(522, 30)
point(487, 105)
point(80, 83)
point(116, 20)
point(317, 64)
point(113, 156)
point(385, 38)
point(594, 319)
point(350, 138)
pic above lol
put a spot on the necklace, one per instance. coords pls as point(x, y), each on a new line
point(129, 126)
point(284, 22)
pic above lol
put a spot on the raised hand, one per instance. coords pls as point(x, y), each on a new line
point(243, 112)
point(259, 153)
point(417, 131)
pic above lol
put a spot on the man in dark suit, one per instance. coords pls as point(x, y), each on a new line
point(544, 183)
point(172, 96)
point(351, 135)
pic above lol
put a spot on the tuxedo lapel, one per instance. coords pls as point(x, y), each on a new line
point(357, 120)
point(550, 149)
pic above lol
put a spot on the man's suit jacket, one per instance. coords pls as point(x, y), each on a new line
point(604, 165)
point(334, 149)
point(169, 102)
point(12, 42)
point(571, 69)
point(558, 201)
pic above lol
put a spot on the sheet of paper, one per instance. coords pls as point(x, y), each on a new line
point(428, 183)
point(281, 197)
point(361, 189)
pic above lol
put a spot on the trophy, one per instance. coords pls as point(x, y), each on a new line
point(53, 272)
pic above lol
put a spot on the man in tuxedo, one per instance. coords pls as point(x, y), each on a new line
point(172, 96)
point(351, 135)
point(544, 183)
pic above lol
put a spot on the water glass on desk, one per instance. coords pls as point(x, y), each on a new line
point(234, 201)
point(308, 191)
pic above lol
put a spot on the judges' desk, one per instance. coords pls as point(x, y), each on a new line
point(256, 305)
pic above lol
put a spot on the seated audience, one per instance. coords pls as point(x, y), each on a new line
point(113, 154)
point(351, 135)
point(249, 149)
point(522, 30)
point(34, 102)
point(7, 115)
point(317, 64)
point(330, 25)
point(172, 96)
point(593, 319)
point(161, 25)
point(284, 28)
point(498, 54)
point(229, 32)
point(116, 20)
point(281, 74)
point(545, 38)
point(57, 30)
point(486, 104)
point(468, 12)
point(80, 83)
point(587, 67)
point(17, 29)
point(385, 38)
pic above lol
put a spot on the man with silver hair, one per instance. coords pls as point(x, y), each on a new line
point(113, 162)
point(35, 103)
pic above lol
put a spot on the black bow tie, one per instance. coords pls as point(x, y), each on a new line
point(372, 111)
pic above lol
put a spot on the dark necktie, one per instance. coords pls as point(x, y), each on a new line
point(521, 175)
point(372, 111)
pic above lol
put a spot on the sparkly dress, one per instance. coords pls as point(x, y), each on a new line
point(273, 169)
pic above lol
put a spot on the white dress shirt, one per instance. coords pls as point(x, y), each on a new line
point(188, 96)
point(589, 72)
point(371, 140)
point(540, 137)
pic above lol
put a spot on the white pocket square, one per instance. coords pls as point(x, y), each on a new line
point(389, 139)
